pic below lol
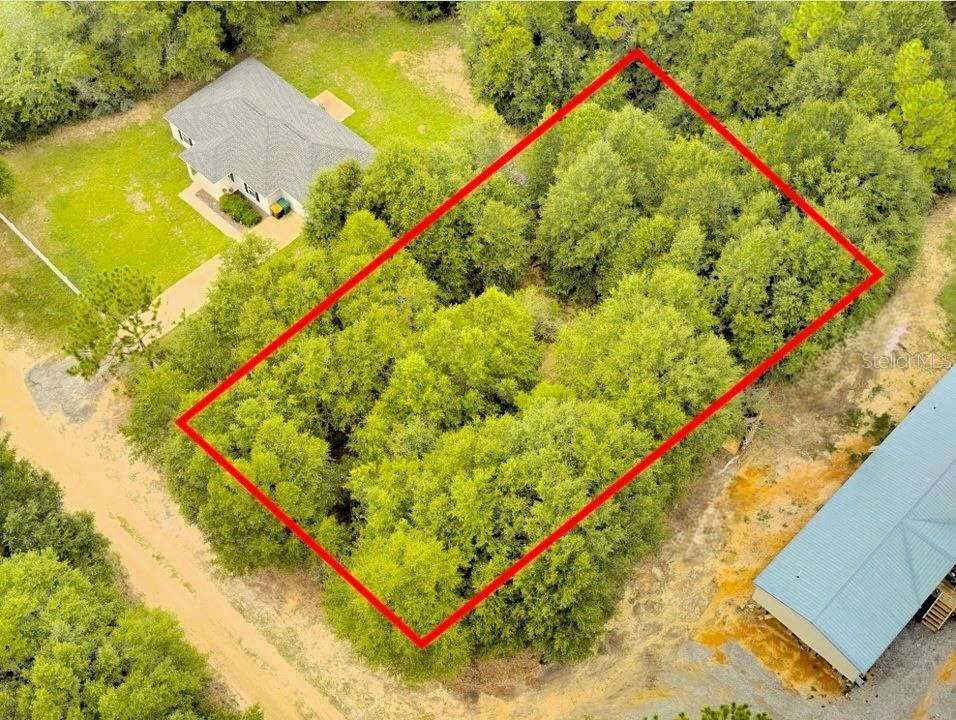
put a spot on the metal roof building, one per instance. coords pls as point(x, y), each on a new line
point(859, 571)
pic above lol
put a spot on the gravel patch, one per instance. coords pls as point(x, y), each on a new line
point(54, 389)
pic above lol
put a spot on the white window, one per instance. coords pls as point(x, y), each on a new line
point(185, 138)
point(250, 191)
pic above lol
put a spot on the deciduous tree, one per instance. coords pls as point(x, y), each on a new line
point(196, 51)
point(328, 202)
point(471, 361)
point(582, 220)
point(522, 57)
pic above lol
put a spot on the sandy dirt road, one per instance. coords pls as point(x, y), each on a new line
point(167, 561)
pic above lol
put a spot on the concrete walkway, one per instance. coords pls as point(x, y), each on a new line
point(190, 196)
point(334, 106)
point(188, 294)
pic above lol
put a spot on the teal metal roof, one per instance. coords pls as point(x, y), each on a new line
point(864, 564)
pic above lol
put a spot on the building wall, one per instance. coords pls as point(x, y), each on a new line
point(262, 203)
point(295, 204)
point(175, 133)
point(272, 197)
point(808, 633)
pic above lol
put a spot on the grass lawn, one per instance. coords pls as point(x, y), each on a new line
point(403, 79)
point(103, 193)
point(92, 197)
point(30, 295)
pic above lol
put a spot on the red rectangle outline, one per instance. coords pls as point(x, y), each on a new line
point(423, 641)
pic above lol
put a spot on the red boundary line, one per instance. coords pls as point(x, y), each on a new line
point(423, 641)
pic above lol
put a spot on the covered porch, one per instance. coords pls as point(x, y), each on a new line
point(281, 231)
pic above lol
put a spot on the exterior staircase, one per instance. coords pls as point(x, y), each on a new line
point(942, 608)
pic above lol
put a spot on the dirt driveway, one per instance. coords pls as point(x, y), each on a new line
point(684, 634)
point(167, 561)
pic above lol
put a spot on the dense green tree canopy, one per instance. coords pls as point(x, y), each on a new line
point(68, 60)
point(489, 491)
point(72, 648)
point(71, 644)
point(521, 57)
point(31, 518)
point(559, 323)
point(471, 361)
point(583, 217)
point(481, 243)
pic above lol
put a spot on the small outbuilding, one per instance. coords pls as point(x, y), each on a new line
point(251, 131)
point(874, 557)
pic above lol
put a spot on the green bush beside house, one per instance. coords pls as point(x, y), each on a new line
point(236, 206)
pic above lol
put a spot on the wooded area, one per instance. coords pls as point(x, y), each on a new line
point(65, 61)
point(72, 643)
point(571, 314)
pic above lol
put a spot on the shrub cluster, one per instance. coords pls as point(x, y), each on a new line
point(239, 208)
point(424, 11)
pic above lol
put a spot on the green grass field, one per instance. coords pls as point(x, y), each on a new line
point(92, 201)
point(104, 193)
point(353, 49)
point(30, 296)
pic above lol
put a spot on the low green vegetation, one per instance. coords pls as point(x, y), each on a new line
point(724, 712)
point(72, 645)
point(238, 207)
point(7, 181)
point(95, 199)
point(947, 297)
point(392, 71)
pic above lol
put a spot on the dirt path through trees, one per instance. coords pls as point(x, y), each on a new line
point(167, 561)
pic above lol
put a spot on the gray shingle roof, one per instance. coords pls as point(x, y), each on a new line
point(864, 564)
point(251, 122)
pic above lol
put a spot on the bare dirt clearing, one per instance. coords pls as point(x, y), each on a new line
point(684, 634)
point(441, 70)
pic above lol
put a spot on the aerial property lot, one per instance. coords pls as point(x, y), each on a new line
point(423, 636)
point(566, 361)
